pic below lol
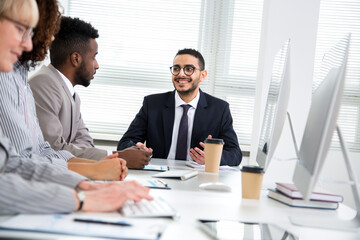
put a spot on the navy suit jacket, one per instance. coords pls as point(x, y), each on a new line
point(155, 120)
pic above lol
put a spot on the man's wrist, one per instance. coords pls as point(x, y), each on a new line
point(88, 185)
point(120, 153)
point(81, 197)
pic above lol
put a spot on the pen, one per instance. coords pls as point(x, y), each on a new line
point(119, 223)
point(189, 165)
point(162, 182)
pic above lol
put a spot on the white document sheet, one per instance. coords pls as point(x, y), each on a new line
point(198, 167)
point(65, 224)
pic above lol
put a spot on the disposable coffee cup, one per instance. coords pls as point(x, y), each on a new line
point(251, 181)
point(213, 151)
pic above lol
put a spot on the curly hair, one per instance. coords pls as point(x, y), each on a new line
point(74, 36)
point(48, 26)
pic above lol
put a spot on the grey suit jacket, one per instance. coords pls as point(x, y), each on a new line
point(59, 115)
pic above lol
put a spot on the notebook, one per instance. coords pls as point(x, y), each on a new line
point(280, 197)
point(290, 190)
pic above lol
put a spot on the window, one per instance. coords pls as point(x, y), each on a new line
point(337, 18)
point(138, 41)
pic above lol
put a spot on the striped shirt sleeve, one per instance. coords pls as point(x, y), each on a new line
point(33, 187)
point(18, 195)
point(18, 119)
point(33, 169)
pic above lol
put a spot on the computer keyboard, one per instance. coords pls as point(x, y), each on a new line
point(147, 209)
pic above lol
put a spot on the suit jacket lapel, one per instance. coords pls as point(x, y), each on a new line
point(70, 97)
point(199, 118)
point(168, 114)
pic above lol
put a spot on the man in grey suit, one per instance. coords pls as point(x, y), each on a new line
point(73, 62)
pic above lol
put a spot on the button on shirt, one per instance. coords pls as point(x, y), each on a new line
point(177, 118)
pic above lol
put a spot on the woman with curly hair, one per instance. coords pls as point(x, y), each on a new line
point(44, 32)
point(18, 120)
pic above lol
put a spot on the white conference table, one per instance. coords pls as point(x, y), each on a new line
point(193, 204)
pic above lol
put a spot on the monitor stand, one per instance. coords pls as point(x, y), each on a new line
point(293, 136)
point(333, 222)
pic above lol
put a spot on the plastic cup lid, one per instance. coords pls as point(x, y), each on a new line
point(214, 140)
point(252, 169)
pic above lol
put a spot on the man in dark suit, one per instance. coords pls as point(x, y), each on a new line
point(160, 118)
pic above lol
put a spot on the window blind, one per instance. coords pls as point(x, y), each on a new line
point(337, 18)
point(138, 41)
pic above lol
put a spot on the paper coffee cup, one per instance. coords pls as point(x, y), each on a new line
point(213, 151)
point(251, 181)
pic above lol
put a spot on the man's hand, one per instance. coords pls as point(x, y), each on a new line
point(197, 154)
point(109, 169)
point(136, 158)
point(124, 168)
point(112, 196)
point(142, 146)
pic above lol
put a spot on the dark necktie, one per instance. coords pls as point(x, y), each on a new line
point(181, 147)
point(74, 96)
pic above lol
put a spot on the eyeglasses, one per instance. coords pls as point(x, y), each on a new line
point(25, 31)
point(188, 70)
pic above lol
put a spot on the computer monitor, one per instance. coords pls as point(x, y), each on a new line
point(321, 122)
point(276, 106)
point(319, 129)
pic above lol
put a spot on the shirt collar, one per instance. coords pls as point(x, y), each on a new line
point(67, 83)
point(179, 101)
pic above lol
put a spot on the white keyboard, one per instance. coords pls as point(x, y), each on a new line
point(155, 208)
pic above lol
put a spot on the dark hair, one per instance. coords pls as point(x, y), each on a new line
point(74, 36)
point(46, 28)
point(194, 53)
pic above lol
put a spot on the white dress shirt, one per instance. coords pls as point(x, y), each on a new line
point(72, 92)
point(67, 83)
point(177, 118)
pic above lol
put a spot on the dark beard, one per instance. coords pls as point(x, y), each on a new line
point(188, 92)
point(81, 76)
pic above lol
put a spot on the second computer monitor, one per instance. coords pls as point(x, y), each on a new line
point(276, 106)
